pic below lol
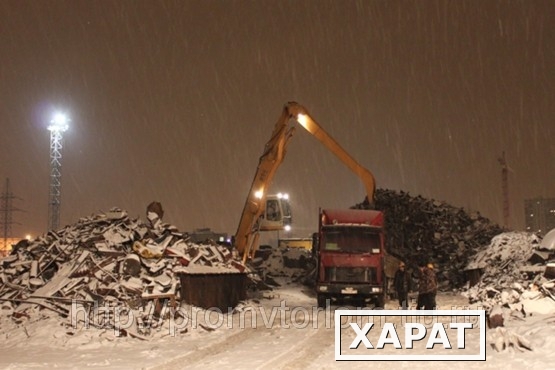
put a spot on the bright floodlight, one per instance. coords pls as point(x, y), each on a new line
point(59, 123)
point(302, 119)
point(258, 194)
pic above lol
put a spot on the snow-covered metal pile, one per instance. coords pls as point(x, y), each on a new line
point(502, 258)
point(419, 228)
point(293, 263)
point(103, 260)
point(512, 274)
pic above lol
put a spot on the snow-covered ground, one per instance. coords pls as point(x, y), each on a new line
point(235, 341)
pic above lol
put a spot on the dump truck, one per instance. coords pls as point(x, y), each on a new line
point(351, 258)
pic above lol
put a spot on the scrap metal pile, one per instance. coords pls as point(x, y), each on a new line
point(512, 279)
point(295, 264)
point(513, 273)
point(104, 260)
point(419, 228)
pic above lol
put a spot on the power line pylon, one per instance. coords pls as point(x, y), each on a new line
point(505, 189)
point(6, 211)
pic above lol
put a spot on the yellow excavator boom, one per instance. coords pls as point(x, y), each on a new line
point(246, 237)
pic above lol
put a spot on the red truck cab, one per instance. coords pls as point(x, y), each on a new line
point(349, 249)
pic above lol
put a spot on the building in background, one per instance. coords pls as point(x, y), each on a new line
point(539, 215)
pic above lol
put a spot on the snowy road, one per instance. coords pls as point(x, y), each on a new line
point(286, 332)
point(296, 343)
point(271, 339)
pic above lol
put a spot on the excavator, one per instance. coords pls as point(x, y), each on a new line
point(263, 212)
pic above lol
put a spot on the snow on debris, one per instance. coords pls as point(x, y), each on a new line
point(107, 261)
point(506, 250)
point(287, 261)
point(512, 279)
point(513, 276)
point(293, 263)
point(548, 241)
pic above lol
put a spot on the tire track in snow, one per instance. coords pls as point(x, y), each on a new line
point(301, 353)
point(312, 351)
point(200, 354)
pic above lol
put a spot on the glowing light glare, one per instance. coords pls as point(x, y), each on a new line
point(302, 119)
point(287, 227)
point(283, 196)
point(59, 122)
point(28, 237)
point(258, 194)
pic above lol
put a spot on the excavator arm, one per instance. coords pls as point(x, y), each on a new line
point(246, 237)
point(306, 120)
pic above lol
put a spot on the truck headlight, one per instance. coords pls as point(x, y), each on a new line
point(375, 250)
point(376, 290)
point(323, 288)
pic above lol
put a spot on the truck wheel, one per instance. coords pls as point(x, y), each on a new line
point(380, 301)
point(321, 298)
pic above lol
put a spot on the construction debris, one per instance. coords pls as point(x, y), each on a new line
point(108, 262)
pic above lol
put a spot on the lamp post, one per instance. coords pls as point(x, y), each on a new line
point(58, 125)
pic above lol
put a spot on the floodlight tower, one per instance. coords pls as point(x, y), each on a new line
point(57, 126)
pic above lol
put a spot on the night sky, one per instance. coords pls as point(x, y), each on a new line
point(173, 101)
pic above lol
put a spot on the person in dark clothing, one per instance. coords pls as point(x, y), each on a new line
point(427, 288)
point(402, 284)
point(434, 293)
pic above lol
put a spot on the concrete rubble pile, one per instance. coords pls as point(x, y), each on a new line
point(419, 228)
point(106, 260)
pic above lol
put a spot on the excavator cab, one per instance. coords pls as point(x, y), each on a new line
point(277, 213)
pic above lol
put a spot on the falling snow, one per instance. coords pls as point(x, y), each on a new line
point(174, 100)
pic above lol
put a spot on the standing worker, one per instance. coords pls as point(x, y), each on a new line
point(427, 288)
point(433, 298)
point(403, 286)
